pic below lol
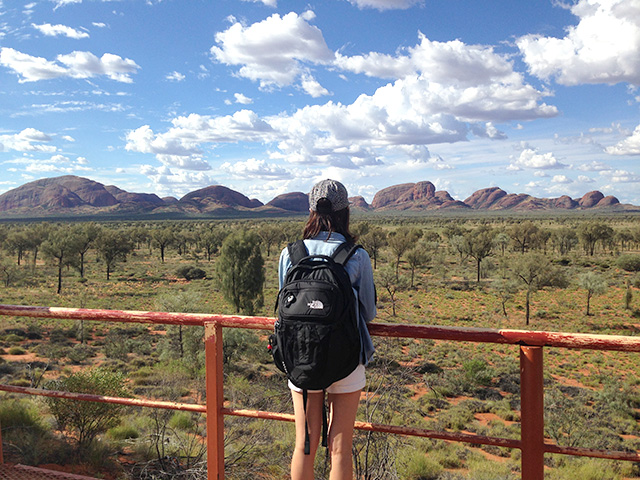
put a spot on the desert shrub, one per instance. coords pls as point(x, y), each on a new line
point(447, 457)
point(182, 421)
point(58, 335)
point(20, 382)
point(482, 469)
point(586, 469)
point(123, 432)
point(13, 338)
point(191, 273)
point(419, 466)
point(17, 351)
point(456, 418)
point(476, 371)
point(25, 435)
point(87, 419)
point(629, 262)
point(79, 353)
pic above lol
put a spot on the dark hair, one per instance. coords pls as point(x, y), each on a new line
point(328, 222)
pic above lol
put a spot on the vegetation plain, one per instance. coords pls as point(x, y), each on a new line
point(542, 272)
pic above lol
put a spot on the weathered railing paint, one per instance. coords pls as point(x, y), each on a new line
point(532, 412)
point(532, 442)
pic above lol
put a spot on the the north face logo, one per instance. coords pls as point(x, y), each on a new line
point(315, 305)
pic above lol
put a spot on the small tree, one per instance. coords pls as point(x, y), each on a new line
point(374, 240)
point(564, 239)
point(62, 246)
point(594, 284)
point(388, 280)
point(183, 302)
point(8, 272)
point(270, 234)
point(591, 233)
point(17, 242)
point(417, 257)
point(535, 271)
point(401, 240)
point(504, 290)
point(162, 238)
point(478, 244)
point(86, 236)
point(240, 270)
point(628, 296)
point(87, 419)
point(523, 235)
point(210, 241)
point(37, 234)
point(113, 246)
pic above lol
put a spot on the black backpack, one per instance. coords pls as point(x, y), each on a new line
point(316, 340)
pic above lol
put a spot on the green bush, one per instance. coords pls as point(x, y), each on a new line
point(476, 372)
point(420, 467)
point(13, 338)
point(79, 353)
point(629, 262)
point(87, 419)
point(482, 469)
point(586, 469)
point(17, 351)
point(26, 434)
point(123, 432)
point(191, 273)
point(182, 421)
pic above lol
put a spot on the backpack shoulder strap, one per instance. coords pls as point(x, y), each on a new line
point(343, 253)
point(297, 251)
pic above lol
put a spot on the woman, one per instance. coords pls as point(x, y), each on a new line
point(326, 228)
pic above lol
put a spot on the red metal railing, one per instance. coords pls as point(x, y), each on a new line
point(532, 444)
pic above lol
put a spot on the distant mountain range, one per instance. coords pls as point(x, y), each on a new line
point(72, 195)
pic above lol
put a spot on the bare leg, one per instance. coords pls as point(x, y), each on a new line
point(343, 408)
point(301, 464)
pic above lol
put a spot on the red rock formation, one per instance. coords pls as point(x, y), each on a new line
point(590, 199)
point(485, 198)
point(608, 201)
point(293, 202)
point(217, 196)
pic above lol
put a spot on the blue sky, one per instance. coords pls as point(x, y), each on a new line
point(269, 96)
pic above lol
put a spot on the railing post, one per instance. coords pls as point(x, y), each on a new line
point(215, 401)
point(532, 413)
point(1, 457)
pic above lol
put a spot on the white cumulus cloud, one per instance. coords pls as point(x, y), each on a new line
point(28, 140)
point(253, 168)
point(628, 146)
point(175, 77)
point(275, 52)
point(602, 48)
point(563, 179)
point(530, 158)
point(243, 99)
point(268, 3)
point(75, 65)
point(472, 82)
point(386, 4)
point(60, 30)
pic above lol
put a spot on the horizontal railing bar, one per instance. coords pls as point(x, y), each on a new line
point(478, 335)
point(134, 402)
point(133, 316)
point(468, 334)
point(589, 452)
point(373, 427)
point(398, 430)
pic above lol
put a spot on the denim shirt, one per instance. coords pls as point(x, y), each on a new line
point(359, 269)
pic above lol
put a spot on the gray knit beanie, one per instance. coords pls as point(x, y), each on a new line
point(333, 191)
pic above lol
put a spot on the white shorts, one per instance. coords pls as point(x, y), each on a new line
point(353, 382)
